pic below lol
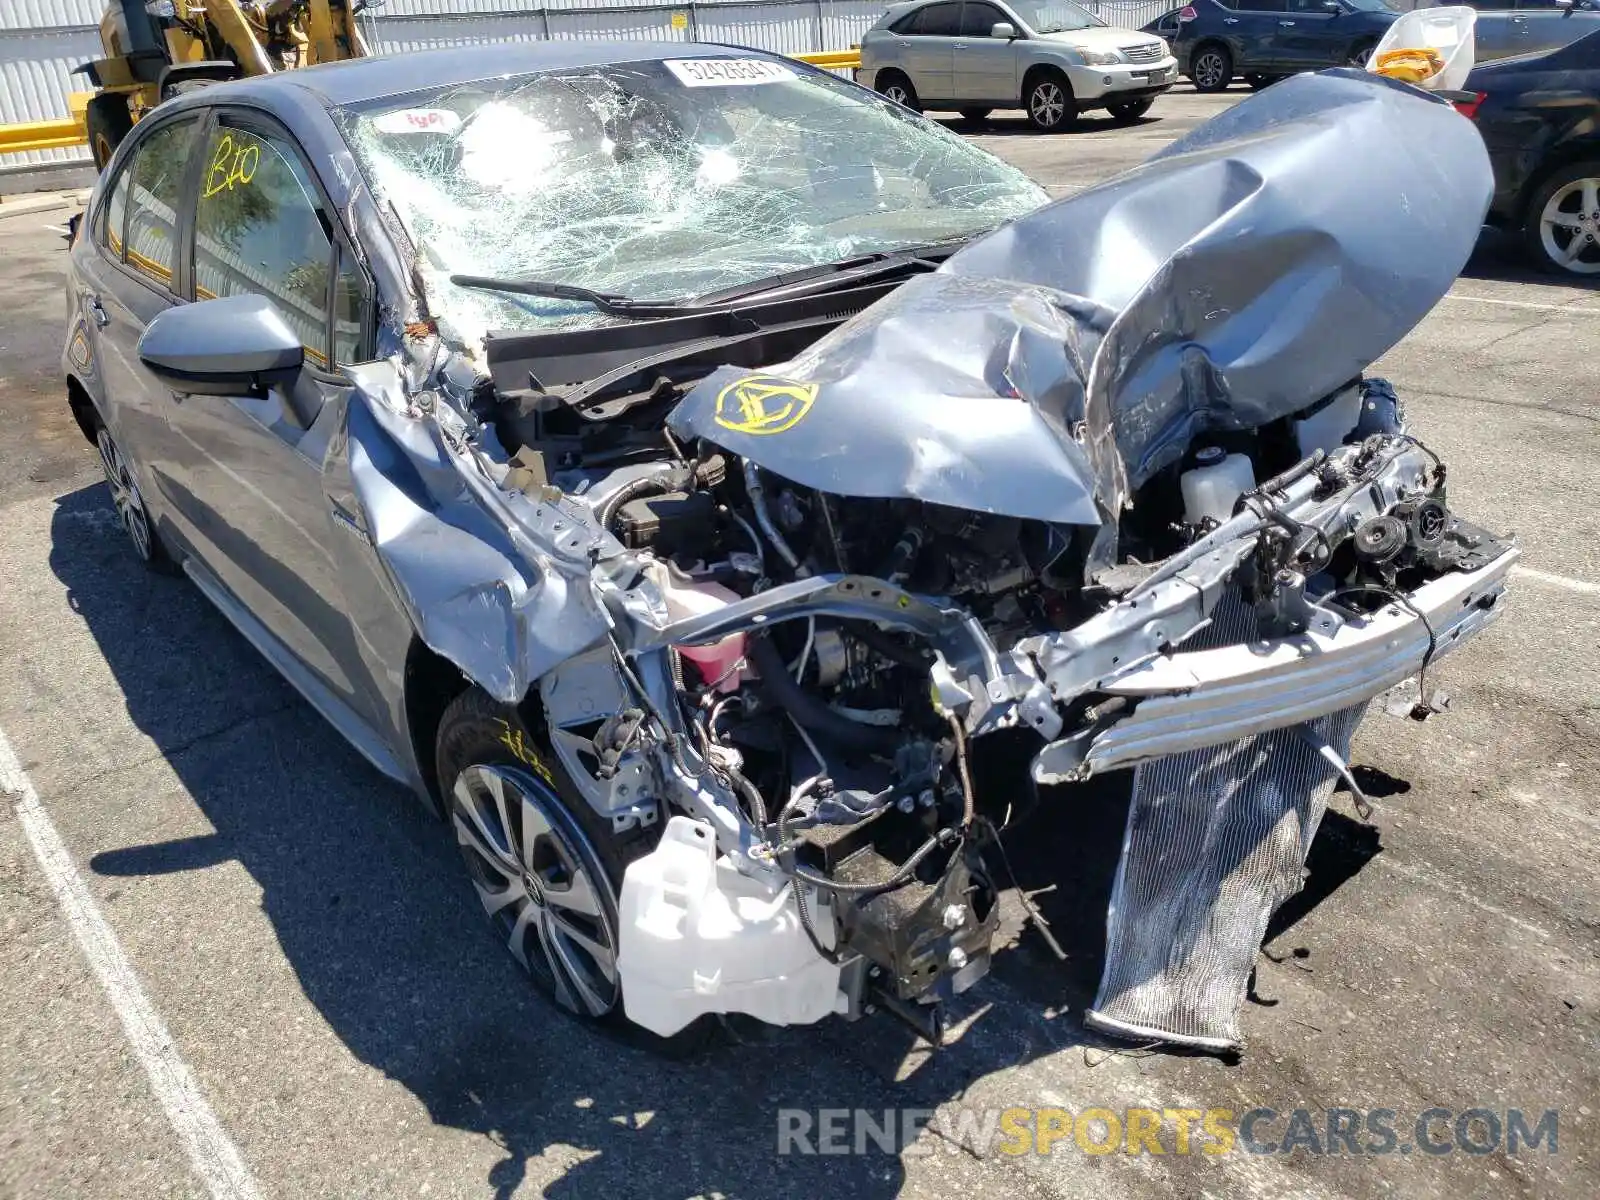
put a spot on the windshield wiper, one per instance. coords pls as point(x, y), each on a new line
point(790, 283)
point(610, 303)
point(848, 270)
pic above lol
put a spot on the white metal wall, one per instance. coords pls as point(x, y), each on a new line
point(41, 41)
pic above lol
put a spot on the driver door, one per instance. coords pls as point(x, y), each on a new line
point(247, 483)
point(985, 68)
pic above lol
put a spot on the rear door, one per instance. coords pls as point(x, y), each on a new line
point(133, 276)
point(930, 50)
point(251, 487)
point(985, 68)
point(1253, 33)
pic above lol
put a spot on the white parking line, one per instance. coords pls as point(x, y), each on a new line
point(1561, 581)
point(212, 1153)
point(1558, 308)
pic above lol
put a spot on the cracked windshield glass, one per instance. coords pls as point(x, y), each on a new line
point(663, 181)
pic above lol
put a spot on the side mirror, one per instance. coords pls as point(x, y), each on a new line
point(361, 6)
point(235, 346)
point(1332, 6)
point(1003, 29)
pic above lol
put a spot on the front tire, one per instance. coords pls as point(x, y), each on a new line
point(1211, 69)
point(545, 868)
point(1129, 112)
point(892, 85)
point(1360, 55)
point(1562, 228)
point(1049, 102)
point(106, 122)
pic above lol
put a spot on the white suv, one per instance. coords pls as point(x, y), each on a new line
point(1050, 56)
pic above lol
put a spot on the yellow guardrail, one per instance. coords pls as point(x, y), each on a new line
point(69, 131)
point(41, 135)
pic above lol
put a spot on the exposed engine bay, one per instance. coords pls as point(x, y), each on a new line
point(1110, 478)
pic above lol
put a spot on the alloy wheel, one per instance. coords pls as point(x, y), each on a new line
point(1208, 70)
point(125, 495)
point(1569, 227)
point(541, 883)
point(897, 93)
point(1047, 103)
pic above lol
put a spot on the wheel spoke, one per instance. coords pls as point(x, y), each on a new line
point(558, 972)
point(577, 978)
point(517, 940)
point(1563, 220)
point(1574, 249)
point(535, 830)
point(495, 900)
point(471, 832)
point(577, 896)
point(1591, 196)
point(602, 955)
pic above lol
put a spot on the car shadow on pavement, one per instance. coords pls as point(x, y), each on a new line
point(1501, 256)
point(374, 915)
point(1017, 125)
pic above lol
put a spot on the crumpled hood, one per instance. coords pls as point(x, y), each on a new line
point(1050, 368)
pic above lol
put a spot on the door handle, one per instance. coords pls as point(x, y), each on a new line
point(961, 45)
point(98, 312)
point(1230, 20)
point(1285, 24)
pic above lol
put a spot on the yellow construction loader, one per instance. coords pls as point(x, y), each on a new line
point(157, 48)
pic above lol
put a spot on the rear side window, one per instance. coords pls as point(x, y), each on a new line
point(1259, 5)
point(142, 217)
point(260, 230)
point(938, 20)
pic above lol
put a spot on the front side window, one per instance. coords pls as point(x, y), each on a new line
point(259, 229)
point(662, 180)
point(149, 221)
point(978, 19)
point(1054, 16)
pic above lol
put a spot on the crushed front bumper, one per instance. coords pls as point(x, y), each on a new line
point(1201, 698)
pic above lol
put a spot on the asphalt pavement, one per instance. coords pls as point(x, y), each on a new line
point(324, 991)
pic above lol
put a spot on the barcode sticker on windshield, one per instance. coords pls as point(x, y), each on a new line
point(727, 72)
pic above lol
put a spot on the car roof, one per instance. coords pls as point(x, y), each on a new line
point(361, 79)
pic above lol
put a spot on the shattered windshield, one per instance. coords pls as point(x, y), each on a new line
point(1053, 16)
point(662, 181)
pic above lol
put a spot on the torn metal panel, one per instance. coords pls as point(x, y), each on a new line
point(1237, 275)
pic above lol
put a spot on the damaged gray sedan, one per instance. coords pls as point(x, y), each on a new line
point(681, 466)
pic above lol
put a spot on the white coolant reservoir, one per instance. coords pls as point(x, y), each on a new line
point(1430, 47)
point(719, 662)
point(698, 937)
point(1327, 428)
point(1214, 484)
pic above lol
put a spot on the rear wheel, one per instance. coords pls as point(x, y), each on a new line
point(1049, 102)
point(106, 121)
point(129, 503)
point(1130, 111)
point(1562, 231)
point(892, 85)
point(1211, 68)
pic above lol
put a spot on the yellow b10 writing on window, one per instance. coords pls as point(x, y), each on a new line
point(233, 163)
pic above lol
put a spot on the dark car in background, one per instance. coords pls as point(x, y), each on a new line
point(1264, 40)
point(1540, 119)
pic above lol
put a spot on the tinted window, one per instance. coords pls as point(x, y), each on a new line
point(939, 20)
point(155, 179)
point(978, 19)
point(259, 229)
point(1258, 5)
point(1309, 7)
